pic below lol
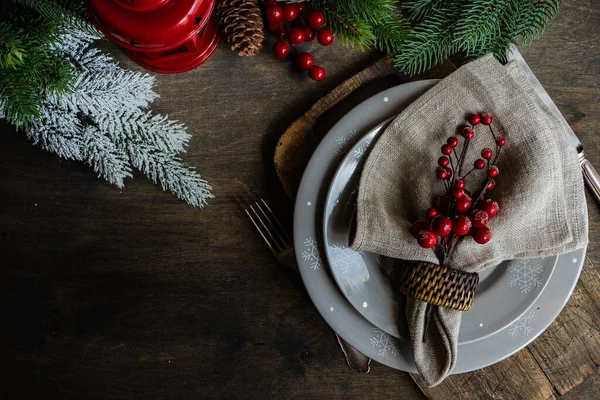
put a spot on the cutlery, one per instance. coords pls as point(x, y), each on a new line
point(590, 175)
point(279, 243)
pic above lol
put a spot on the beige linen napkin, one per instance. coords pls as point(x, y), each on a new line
point(539, 189)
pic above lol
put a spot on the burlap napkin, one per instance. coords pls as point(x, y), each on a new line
point(540, 188)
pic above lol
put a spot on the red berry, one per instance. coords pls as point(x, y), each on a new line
point(274, 13)
point(305, 61)
point(460, 183)
point(324, 37)
point(317, 73)
point(446, 149)
point(457, 193)
point(474, 119)
point(482, 235)
point(448, 172)
point(479, 218)
point(479, 163)
point(493, 171)
point(281, 49)
point(452, 141)
point(490, 207)
point(487, 153)
point(290, 11)
point(441, 225)
point(500, 141)
point(442, 203)
point(467, 133)
point(268, 3)
point(441, 173)
point(301, 7)
point(426, 239)
point(315, 19)
point(487, 119)
point(419, 226)
point(431, 212)
point(296, 35)
point(491, 185)
point(443, 161)
point(273, 26)
point(309, 34)
point(463, 204)
point(461, 225)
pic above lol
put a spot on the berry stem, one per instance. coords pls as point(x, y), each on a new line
point(492, 131)
point(455, 155)
point(482, 192)
point(463, 154)
point(498, 148)
point(294, 48)
point(467, 174)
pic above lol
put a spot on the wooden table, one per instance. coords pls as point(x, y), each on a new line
point(131, 294)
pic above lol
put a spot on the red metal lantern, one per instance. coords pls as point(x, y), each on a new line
point(166, 36)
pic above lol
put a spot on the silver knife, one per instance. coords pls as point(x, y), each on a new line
point(590, 176)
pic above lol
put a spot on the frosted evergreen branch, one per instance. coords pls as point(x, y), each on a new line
point(104, 157)
point(144, 127)
point(174, 175)
point(105, 122)
point(97, 92)
point(58, 133)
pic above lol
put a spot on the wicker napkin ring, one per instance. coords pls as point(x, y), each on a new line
point(438, 285)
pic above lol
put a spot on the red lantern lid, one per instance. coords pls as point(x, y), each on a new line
point(150, 25)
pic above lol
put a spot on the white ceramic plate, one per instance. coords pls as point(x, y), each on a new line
point(505, 291)
point(340, 314)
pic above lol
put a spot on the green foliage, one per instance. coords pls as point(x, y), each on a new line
point(474, 27)
point(365, 23)
point(70, 13)
point(30, 67)
point(440, 28)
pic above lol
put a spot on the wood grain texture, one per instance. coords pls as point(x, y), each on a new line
point(132, 294)
point(518, 377)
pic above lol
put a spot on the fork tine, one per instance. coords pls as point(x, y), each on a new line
point(276, 232)
point(281, 228)
point(269, 231)
point(258, 228)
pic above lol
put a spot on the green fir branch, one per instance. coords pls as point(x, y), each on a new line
point(420, 9)
point(30, 67)
point(71, 13)
point(391, 32)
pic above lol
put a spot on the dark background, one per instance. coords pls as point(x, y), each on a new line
point(131, 294)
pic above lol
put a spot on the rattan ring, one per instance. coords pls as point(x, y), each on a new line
point(438, 285)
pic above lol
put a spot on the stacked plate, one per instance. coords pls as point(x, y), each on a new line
point(515, 301)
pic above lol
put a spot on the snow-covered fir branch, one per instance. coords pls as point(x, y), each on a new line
point(106, 123)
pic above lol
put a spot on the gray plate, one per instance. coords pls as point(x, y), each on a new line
point(341, 315)
point(505, 291)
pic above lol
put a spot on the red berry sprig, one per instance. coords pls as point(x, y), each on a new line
point(457, 214)
point(309, 25)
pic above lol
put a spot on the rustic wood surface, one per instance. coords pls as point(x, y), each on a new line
point(131, 294)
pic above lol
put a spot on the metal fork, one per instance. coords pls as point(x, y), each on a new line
point(273, 233)
point(280, 245)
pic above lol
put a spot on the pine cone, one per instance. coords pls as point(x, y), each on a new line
point(241, 23)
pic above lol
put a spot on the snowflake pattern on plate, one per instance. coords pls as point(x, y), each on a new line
point(346, 259)
point(522, 326)
point(360, 152)
point(385, 344)
point(311, 254)
point(344, 143)
point(525, 276)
